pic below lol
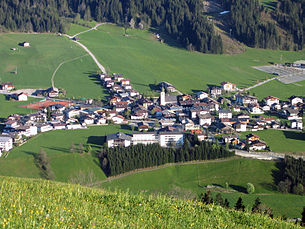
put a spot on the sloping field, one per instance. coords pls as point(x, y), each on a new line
point(146, 61)
point(28, 203)
point(188, 181)
point(36, 64)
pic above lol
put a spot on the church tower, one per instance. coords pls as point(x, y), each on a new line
point(162, 97)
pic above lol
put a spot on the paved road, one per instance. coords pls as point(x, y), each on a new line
point(259, 84)
point(100, 66)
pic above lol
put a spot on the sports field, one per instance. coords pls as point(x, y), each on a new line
point(146, 61)
point(36, 64)
point(57, 144)
point(188, 181)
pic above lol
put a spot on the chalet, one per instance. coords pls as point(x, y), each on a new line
point(243, 116)
point(291, 114)
point(125, 82)
point(246, 99)
point(44, 128)
point(118, 139)
point(259, 145)
point(167, 122)
point(266, 108)
point(133, 93)
point(252, 138)
point(294, 100)
point(118, 119)
point(27, 131)
point(107, 78)
point(74, 126)
point(8, 86)
point(271, 100)
point(143, 128)
point(202, 95)
point(88, 120)
point(205, 119)
point(195, 111)
point(37, 117)
point(110, 114)
point(6, 143)
point(240, 127)
point(11, 124)
point(72, 113)
point(101, 121)
point(127, 87)
point(296, 124)
point(57, 116)
point(215, 91)
point(25, 44)
point(256, 110)
point(22, 96)
point(227, 86)
point(52, 92)
point(59, 126)
point(236, 108)
point(121, 107)
point(232, 139)
point(139, 114)
point(224, 114)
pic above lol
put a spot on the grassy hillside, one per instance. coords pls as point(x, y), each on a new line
point(146, 61)
point(188, 181)
point(57, 144)
point(283, 141)
point(36, 203)
point(36, 64)
point(12, 107)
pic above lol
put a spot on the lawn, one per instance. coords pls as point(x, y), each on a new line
point(36, 64)
point(57, 144)
point(14, 107)
point(190, 180)
point(283, 141)
point(146, 61)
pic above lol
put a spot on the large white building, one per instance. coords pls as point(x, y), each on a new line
point(145, 138)
point(169, 139)
point(118, 139)
point(6, 143)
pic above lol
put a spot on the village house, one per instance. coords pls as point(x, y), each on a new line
point(100, 121)
point(259, 145)
point(215, 91)
point(202, 95)
point(118, 119)
point(6, 143)
point(74, 126)
point(227, 86)
point(291, 114)
point(205, 119)
point(8, 86)
point(20, 97)
point(171, 139)
point(27, 131)
point(256, 110)
point(294, 100)
point(240, 127)
point(59, 126)
point(231, 139)
point(245, 100)
point(296, 124)
point(118, 139)
point(167, 99)
point(224, 114)
point(252, 138)
point(145, 138)
point(44, 127)
point(271, 100)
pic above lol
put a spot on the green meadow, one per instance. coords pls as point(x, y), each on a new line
point(282, 141)
point(146, 61)
point(57, 144)
point(36, 64)
point(188, 181)
point(14, 107)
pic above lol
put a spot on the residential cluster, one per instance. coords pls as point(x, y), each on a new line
point(216, 115)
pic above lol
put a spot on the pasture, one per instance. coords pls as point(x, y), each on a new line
point(189, 181)
point(146, 61)
point(57, 144)
point(36, 64)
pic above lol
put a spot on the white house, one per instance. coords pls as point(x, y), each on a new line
point(258, 146)
point(225, 114)
point(227, 86)
point(271, 100)
point(59, 126)
point(240, 127)
point(74, 126)
point(6, 143)
point(22, 97)
point(118, 119)
point(44, 128)
point(118, 139)
point(167, 139)
point(256, 110)
point(295, 100)
point(145, 138)
point(72, 113)
point(297, 124)
point(27, 131)
point(205, 119)
point(202, 95)
point(25, 44)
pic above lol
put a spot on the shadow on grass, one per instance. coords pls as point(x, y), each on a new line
point(167, 38)
point(96, 140)
point(238, 188)
point(95, 78)
point(294, 135)
point(278, 173)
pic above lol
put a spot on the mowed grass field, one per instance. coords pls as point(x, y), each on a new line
point(190, 180)
point(36, 64)
point(57, 144)
point(282, 141)
point(14, 107)
point(146, 61)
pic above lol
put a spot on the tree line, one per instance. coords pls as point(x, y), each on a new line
point(118, 160)
point(292, 179)
point(182, 20)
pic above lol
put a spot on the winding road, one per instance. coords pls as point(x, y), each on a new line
point(100, 66)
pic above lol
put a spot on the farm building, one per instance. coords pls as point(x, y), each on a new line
point(7, 86)
point(25, 44)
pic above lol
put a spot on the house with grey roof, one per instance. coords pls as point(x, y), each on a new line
point(118, 139)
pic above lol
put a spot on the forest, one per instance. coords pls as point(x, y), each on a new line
point(292, 178)
point(118, 160)
point(182, 20)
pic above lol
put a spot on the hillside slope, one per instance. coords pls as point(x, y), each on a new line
point(27, 203)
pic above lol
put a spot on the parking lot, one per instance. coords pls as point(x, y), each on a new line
point(285, 75)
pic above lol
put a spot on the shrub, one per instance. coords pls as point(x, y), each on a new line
point(250, 188)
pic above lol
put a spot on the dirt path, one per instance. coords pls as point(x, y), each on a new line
point(259, 84)
point(62, 63)
point(158, 168)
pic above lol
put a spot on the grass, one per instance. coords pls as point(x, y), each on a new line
point(189, 181)
point(57, 144)
point(14, 107)
point(36, 64)
point(283, 141)
point(28, 203)
point(280, 90)
point(146, 61)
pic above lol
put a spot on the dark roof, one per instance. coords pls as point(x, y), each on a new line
point(118, 135)
point(171, 99)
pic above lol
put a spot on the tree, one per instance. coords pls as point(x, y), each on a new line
point(256, 204)
point(80, 148)
point(284, 186)
point(250, 188)
point(72, 148)
point(298, 189)
point(219, 200)
point(208, 199)
point(226, 203)
point(44, 164)
point(239, 206)
point(303, 217)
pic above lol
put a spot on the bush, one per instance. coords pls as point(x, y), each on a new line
point(250, 188)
